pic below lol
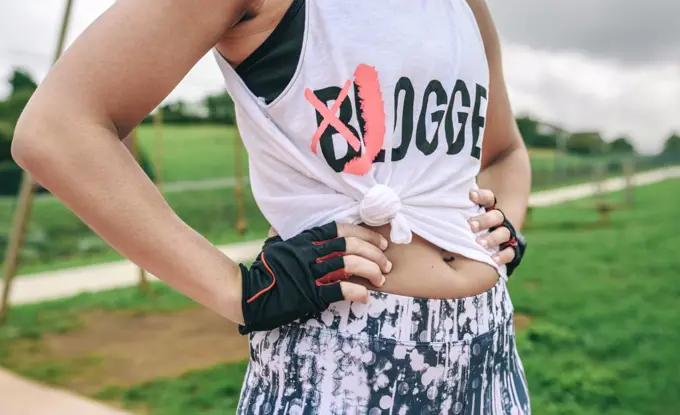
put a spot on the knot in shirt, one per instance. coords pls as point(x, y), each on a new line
point(382, 205)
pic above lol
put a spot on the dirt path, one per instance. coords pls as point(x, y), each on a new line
point(23, 397)
point(123, 349)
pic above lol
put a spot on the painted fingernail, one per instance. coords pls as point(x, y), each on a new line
point(383, 243)
point(388, 268)
point(474, 225)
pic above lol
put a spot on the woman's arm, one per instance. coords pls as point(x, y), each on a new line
point(69, 136)
point(505, 162)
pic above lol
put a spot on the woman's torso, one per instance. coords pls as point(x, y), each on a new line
point(429, 60)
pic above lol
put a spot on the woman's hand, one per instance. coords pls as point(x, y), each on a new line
point(303, 275)
point(500, 236)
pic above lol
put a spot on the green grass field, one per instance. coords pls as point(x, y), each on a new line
point(56, 238)
point(549, 159)
point(600, 300)
point(219, 387)
point(551, 168)
point(32, 321)
point(193, 152)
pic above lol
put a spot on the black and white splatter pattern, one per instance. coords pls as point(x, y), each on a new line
point(395, 355)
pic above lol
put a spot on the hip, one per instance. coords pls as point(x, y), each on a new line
point(420, 320)
point(423, 270)
point(395, 354)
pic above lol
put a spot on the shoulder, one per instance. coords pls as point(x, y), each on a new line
point(257, 21)
point(488, 30)
point(501, 131)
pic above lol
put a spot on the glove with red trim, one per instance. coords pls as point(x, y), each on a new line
point(516, 242)
point(293, 279)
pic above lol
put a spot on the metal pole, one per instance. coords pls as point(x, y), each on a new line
point(23, 211)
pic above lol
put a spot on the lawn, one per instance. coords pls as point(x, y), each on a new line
point(597, 299)
point(605, 308)
point(551, 168)
point(56, 238)
point(194, 152)
point(95, 341)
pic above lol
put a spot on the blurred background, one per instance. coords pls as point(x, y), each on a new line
point(596, 90)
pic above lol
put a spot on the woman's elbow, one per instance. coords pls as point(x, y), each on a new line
point(25, 148)
point(35, 134)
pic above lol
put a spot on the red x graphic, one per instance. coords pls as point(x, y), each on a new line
point(329, 118)
point(372, 110)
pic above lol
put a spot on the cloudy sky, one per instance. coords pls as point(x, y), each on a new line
point(609, 65)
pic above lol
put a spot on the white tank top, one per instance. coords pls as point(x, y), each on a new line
point(383, 122)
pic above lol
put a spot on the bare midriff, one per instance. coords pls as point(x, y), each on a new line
point(421, 269)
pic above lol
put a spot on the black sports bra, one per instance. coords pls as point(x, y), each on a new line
point(270, 68)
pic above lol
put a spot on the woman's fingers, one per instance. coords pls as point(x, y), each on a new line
point(505, 256)
point(363, 268)
point(495, 238)
point(354, 292)
point(340, 268)
point(483, 197)
point(366, 250)
point(353, 246)
point(486, 221)
point(346, 230)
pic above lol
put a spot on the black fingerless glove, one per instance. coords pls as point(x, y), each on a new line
point(293, 279)
point(516, 242)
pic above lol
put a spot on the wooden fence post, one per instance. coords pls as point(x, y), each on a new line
point(602, 205)
point(241, 220)
point(22, 214)
point(133, 143)
point(158, 146)
point(629, 173)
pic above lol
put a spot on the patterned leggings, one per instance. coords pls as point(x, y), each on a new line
point(395, 355)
